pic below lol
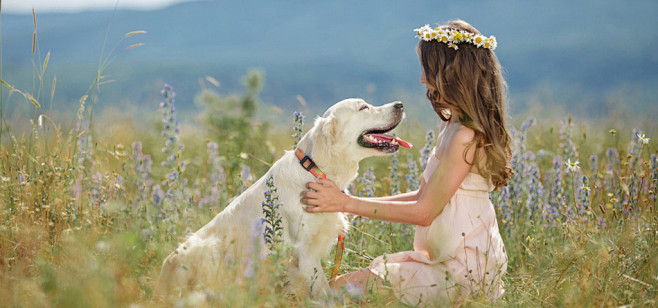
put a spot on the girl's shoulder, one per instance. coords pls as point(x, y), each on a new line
point(453, 135)
point(459, 138)
point(456, 132)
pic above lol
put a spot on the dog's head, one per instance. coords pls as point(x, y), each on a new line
point(354, 130)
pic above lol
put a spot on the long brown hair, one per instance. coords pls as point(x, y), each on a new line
point(470, 81)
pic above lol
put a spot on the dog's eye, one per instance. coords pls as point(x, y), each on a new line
point(364, 107)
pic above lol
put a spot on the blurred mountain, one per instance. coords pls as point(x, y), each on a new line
point(562, 51)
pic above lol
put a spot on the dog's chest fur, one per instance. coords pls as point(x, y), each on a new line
point(316, 231)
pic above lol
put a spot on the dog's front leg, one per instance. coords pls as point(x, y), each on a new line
point(311, 269)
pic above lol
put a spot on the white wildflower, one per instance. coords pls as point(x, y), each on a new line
point(572, 166)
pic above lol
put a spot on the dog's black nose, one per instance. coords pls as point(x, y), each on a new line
point(398, 105)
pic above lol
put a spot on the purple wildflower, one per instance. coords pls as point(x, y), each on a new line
point(273, 229)
point(142, 166)
point(297, 130)
point(427, 149)
point(413, 182)
point(368, 182)
point(395, 174)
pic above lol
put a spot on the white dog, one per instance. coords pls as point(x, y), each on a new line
point(348, 132)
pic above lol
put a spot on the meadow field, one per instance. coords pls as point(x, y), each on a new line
point(90, 208)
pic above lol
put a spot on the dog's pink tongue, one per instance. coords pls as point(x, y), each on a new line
point(404, 143)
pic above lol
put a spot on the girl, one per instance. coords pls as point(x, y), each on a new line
point(458, 250)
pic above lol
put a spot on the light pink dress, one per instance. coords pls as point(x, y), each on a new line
point(461, 253)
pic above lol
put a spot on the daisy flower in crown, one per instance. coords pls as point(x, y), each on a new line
point(454, 37)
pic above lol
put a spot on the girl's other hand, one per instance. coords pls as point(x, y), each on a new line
point(324, 196)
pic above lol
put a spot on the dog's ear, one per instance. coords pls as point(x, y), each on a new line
point(329, 128)
point(324, 137)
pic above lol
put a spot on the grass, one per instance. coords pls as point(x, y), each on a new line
point(91, 225)
point(88, 211)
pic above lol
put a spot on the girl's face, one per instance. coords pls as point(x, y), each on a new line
point(423, 78)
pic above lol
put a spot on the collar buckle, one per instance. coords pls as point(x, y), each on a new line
point(307, 163)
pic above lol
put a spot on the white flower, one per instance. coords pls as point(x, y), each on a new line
point(425, 33)
point(490, 43)
point(572, 166)
point(478, 40)
point(426, 28)
point(643, 139)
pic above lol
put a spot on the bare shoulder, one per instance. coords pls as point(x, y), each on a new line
point(457, 136)
point(461, 139)
point(462, 135)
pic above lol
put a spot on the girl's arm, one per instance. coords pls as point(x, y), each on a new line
point(451, 171)
point(408, 196)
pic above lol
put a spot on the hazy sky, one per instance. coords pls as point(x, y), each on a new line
point(43, 6)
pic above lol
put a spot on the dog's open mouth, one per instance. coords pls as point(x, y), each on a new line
point(378, 139)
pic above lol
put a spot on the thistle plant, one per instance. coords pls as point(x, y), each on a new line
point(272, 221)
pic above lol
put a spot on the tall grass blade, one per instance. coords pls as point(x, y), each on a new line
point(34, 35)
point(213, 81)
point(45, 62)
point(32, 100)
point(52, 90)
point(129, 34)
point(134, 46)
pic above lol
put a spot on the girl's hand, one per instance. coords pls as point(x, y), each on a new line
point(324, 196)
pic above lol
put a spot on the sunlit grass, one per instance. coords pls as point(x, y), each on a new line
point(86, 226)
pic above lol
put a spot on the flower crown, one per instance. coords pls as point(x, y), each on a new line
point(452, 37)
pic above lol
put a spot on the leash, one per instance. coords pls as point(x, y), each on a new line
point(309, 165)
